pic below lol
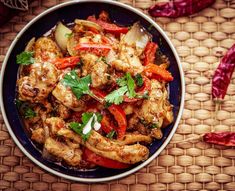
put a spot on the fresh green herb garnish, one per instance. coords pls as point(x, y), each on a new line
point(116, 96)
point(68, 35)
point(154, 125)
point(79, 86)
point(25, 58)
point(139, 80)
point(127, 87)
point(78, 127)
point(29, 113)
point(18, 103)
point(111, 134)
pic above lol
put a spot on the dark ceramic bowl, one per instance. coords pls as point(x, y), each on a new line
point(67, 12)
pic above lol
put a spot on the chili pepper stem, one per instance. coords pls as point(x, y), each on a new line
point(194, 138)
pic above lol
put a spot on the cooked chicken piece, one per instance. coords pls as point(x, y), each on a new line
point(71, 156)
point(38, 135)
point(156, 133)
point(66, 97)
point(69, 134)
point(128, 61)
point(153, 110)
point(88, 60)
point(134, 138)
point(46, 50)
point(40, 82)
point(99, 75)
point(105, 147)
point(63, 111)
point(54, 124)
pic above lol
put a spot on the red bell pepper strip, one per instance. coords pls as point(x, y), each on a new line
point(118, 114)
point(109, 27)
point(98, 49)
point(62, 63)
point(150, 53)
point(106, 125)
point(90, 156)
point(157, 72)
point(120, 117)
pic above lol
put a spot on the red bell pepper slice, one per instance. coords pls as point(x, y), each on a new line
point(150, 53)
point(62, 63)
point(92, 157)
point(120, 117)
point(156, 72)
point(98, 49)
point(109, 27)
point(118, 114)
point(106, 125)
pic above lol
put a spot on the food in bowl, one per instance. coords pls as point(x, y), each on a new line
point(94, 93)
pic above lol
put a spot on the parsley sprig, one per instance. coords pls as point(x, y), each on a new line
point(79, 86)
point(25, 58)
point(127, 87)
point(78, 127)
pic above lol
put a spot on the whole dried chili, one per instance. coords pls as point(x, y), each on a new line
point(177, 8)
point(223, 74)
point(220, 138)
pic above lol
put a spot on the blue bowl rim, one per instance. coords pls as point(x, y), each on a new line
point(93, 180)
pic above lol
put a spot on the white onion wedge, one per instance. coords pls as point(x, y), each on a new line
point(61, 35)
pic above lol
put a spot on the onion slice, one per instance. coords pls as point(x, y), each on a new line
point(138, 37)
point(89, 24)
point(61, 35)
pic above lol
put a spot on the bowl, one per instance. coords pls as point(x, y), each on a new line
point(67, 12)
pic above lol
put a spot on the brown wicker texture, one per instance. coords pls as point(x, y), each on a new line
point(200, 40)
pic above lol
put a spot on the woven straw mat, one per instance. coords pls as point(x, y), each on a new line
point(200, 40)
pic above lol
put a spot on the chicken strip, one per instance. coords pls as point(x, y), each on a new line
point(128, 61)
point(46, 50)
point(54, 124)
point(71, 156)
point(129, 154)
point(38, 135)
point(67, 98)
point(157, 108)
point(119, 150)
point(40, 82)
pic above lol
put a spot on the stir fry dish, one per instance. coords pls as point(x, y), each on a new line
point(94, 93)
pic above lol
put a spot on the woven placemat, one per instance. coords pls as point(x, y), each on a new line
point(200, 40)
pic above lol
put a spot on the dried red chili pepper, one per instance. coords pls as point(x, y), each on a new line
point(220, 138)
point(223, 74)
point(177, 8)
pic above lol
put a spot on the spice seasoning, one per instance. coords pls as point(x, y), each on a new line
point(177, 8)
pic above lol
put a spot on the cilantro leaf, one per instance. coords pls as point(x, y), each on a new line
point(111, 134)
point(117, 95)
point(78, 127)
point(29, 113)
point(127, 87)
point(130, 85)
point(122, 81)
point(25, 58)
point(79, 86)
point(139, 80)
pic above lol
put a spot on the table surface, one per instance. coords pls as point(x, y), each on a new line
point(200, 40)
